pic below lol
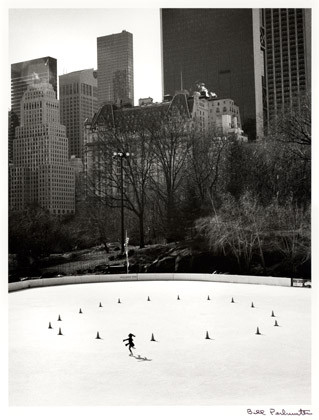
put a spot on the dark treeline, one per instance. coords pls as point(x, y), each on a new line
point(247, 201)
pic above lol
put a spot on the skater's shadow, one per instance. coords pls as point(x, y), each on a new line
point(142, 359)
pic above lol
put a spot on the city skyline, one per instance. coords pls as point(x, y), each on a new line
point(33, 33)
point(261, 58)
point(227, 44)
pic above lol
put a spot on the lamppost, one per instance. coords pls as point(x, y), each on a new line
point(121, 156)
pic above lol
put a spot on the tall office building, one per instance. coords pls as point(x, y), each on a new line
point(78, 101)
point(288, 56)
point(115, 68)
point(13, 122)
point(259, 58)
point(41, 172)
point(223, 49)
point(23, 74)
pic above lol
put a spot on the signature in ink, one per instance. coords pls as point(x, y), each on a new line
point(282, 412)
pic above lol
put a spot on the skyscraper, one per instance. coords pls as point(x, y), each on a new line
point(41, 172)
point(13, 122)
point(78, 101)
point(261, 58)
point(115, 68)
point(288, 56)
point(223, 49)
point(23, 74)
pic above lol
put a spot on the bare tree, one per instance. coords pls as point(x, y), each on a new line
point(245, 229)
point(171, 147)
point(289, 232)
point(292, 127)
point(129, 138)
point(204, 163)
point(236, 229)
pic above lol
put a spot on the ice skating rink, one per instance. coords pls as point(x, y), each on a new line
point(235, 366)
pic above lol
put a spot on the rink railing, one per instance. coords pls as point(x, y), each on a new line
point(100, 278)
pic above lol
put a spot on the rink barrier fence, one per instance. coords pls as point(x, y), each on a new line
point(98, 278)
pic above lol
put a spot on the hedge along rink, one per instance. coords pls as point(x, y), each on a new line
point(98, 278)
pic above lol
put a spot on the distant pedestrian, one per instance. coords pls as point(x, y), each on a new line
point(130, 343)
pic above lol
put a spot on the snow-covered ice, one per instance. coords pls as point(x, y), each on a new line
point(235, 366)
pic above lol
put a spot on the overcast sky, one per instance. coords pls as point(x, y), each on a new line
point(69, 35)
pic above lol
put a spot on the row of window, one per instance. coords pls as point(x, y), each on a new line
point(25, 134)
point(75, 88)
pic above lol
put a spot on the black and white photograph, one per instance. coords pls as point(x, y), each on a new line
point(159, 211)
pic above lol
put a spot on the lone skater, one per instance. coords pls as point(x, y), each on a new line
point(130, 343)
